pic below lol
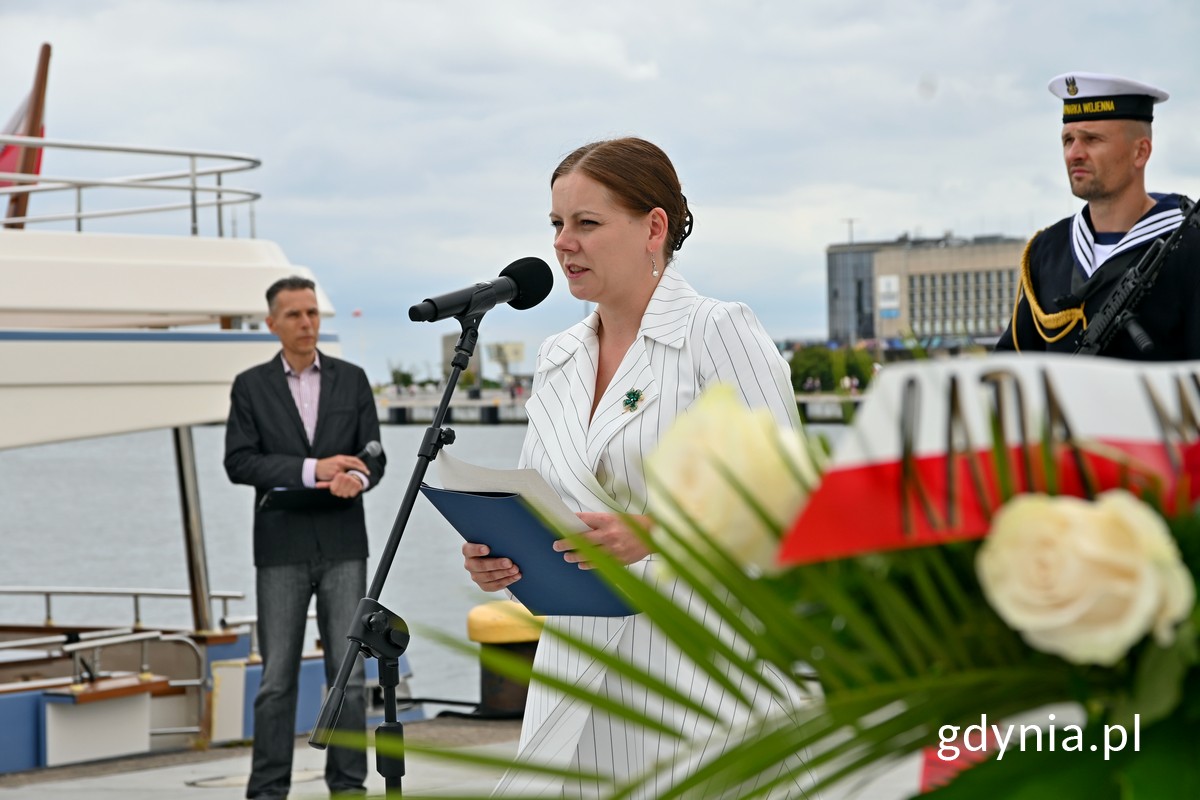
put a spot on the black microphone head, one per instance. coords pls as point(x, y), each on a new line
point(533, 278)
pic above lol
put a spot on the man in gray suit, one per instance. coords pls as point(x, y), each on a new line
point(294, 423)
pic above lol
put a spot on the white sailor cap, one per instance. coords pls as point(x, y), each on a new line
point(1090, 95)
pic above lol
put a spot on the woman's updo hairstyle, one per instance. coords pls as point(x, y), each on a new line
point(640, 178)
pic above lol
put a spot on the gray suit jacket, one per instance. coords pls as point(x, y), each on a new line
point(265, 447)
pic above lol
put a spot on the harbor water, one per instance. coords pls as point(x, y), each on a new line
point(105, 512)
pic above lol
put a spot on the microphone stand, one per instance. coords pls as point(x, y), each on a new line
point(377, 631)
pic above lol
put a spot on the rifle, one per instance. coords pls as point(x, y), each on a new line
point(1117, 313)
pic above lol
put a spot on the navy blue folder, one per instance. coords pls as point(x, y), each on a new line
point(303, 500)
point(549, 585)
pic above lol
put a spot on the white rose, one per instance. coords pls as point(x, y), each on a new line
point(720, 436)
point(1083, 580)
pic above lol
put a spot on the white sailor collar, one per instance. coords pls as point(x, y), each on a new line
point(1160, 220)
point(665, 320)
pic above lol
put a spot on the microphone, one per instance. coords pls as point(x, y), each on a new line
point(522, 284)
point(372, 449)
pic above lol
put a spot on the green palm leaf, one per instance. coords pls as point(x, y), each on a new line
point(751, 608)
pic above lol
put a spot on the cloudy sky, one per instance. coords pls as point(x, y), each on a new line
point(406, 146)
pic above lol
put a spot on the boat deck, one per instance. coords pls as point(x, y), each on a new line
point(221, 772)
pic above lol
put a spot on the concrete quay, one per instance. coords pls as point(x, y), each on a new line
point(221, 773)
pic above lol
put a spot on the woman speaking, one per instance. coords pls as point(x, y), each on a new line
point(603, 393)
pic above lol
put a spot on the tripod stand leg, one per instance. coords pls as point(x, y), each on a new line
point(389, 736)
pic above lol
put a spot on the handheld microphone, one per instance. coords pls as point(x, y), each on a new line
point(372, 450)
point(522, 284)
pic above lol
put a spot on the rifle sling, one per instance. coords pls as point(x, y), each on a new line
point(1111, 271)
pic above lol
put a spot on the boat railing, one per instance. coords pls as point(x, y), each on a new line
point(182, 181)
point(77, 645)
point(61, 638)
point(85, 671)
point(48, 593)
point(93, 669)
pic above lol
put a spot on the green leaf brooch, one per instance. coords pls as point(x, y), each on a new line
point(632, 398)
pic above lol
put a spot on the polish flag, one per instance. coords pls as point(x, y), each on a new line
point(918, 466)
point(10, 154)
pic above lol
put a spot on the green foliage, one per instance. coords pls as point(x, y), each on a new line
point(812, 362)
point(872, 632)
point(892, 647)
point(830, 366)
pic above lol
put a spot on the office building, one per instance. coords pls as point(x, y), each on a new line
point(947, 288)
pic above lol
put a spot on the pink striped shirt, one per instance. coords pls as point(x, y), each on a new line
point(306, 391)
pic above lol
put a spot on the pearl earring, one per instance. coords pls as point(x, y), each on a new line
point(654, 267)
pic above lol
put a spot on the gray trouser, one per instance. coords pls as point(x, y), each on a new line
point(284, 593)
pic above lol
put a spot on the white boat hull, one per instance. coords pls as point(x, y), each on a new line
point(92, 338)
point(62, 385)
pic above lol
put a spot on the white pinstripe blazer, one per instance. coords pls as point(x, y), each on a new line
point(686, 343)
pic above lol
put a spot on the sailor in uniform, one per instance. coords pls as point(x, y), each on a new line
point(1069, 269)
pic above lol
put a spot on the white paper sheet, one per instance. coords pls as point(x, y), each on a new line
point(460, 476)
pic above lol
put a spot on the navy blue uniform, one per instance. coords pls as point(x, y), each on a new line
point(1170, 312)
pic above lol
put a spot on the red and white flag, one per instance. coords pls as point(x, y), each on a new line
point(920, 465)
point(10, 154)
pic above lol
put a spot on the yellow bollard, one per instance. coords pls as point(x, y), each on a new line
point(506, 625)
